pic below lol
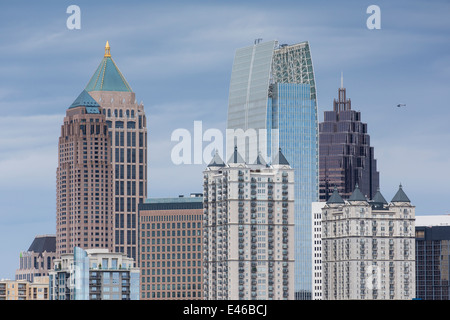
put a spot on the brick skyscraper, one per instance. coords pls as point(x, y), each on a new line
point(128, 134)
point(83, 179)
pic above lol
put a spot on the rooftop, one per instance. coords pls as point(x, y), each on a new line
point(108, 77)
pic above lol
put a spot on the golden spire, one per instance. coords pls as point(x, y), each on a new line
point(107, 48)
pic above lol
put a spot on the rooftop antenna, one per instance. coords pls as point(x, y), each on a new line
point(342, 80)
point(258, 40)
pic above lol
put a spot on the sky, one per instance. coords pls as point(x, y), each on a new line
point(177, 56)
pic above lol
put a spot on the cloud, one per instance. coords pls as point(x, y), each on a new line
point(28, 150)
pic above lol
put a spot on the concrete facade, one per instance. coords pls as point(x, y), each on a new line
point(248, 230)
point(368, 249)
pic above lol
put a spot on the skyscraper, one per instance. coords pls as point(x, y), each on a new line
point(346, 158)
point(83, 179)
point(272, 105)
point(127, 132)
point(368, 247)
point(248, 229)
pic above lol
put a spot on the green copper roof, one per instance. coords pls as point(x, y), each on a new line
point(236, 157)
point(108, 77)
point(260, 160)
point(85, 99)
point(280, 158)
point(335, 197)
point(216, 161)
point(400, 196)
point(378, 198)
point(357, 195)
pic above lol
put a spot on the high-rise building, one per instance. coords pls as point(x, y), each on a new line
point(272, 105)
point(171, 246)
point(127, 130)
point(248, 229)
point(368, 247)
point(346, 158)
point(433, 257)
point(94, 274)
point(84, 179)
point(38, 259)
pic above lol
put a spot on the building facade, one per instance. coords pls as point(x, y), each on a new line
point(171, 246)
point(368, 248)
point(127, 130)
point(94, 274)
point(346, 158)
point(433, 257)
point(316, 211)
point(24, 290)
point(248, 229)
point(272, 105)
point(84, 179)
point(38, 259)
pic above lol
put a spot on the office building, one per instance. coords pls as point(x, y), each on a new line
point(127, 131)
point(272, 105)
point(94, 274)
point(368, 247)
point(346, 158)
point(84, 179)
point(38, 259)
point(248, 229)
point(433, 257)
point(171, 246)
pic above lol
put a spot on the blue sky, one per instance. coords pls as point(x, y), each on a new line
point(177, 57)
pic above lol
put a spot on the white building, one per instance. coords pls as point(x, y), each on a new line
point(248, 229)
point(94, 274)
point(368, 247)
point(316, 210)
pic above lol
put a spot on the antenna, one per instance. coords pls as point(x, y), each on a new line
point(342, 80)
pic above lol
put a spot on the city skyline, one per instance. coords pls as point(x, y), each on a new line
point(45, 64)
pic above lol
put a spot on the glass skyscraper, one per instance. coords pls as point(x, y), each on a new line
point(346, 157)
point(272, 105)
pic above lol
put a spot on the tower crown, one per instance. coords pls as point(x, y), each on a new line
point(108, 77)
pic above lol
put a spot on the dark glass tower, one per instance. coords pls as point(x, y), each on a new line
point(346, 158)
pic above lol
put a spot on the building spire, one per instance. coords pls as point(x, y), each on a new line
point(342, 80)
point(107, 50)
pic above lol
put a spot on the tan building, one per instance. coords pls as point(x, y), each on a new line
point(84, 179)
point(127, 130)
point(24, 290)
point(171, 248)
point(38, 289)
point(248, 229)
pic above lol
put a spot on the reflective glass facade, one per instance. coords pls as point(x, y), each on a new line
point(433, 262)
point(81, 274)
point(346, 157)
point(272, 88)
